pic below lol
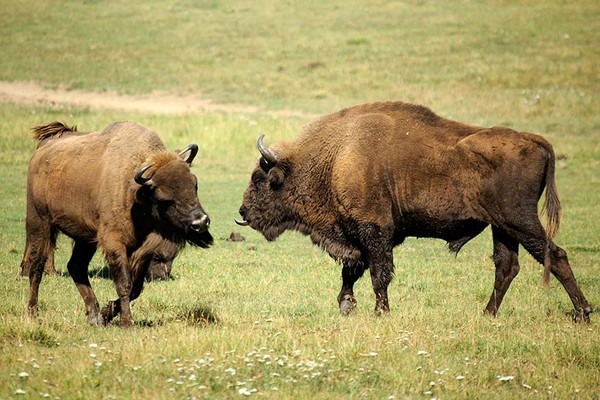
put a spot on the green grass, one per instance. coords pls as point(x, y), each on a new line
point(260, 319)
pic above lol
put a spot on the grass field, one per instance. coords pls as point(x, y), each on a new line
point(258, 319)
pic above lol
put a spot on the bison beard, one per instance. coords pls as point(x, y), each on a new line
point(360, 181)
point(118, 189)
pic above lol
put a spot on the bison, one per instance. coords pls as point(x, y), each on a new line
point(361, 180)
point(118, 189)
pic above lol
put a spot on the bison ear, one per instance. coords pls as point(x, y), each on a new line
point(276, 177)
point(189, 153)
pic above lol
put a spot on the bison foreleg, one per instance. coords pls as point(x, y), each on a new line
point(110, 311)
point(351, 272)
point(113, 308)
point(119, 269)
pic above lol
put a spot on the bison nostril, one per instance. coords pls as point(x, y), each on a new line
point(201, 224)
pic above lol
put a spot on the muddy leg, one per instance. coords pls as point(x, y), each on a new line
point(506, 259)
point(561, 269)
point(78, 269)
point(351, 272)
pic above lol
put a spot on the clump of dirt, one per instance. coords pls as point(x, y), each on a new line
point(236, 237)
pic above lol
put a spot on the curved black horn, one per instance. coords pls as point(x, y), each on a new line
point(139, 178)
point(193, 149)
point(241, 223)
point(267, 155)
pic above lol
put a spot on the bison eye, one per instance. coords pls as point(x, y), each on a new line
point(258, 177)
point(162, 197)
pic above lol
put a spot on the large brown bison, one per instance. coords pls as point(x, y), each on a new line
point(362, 180)
point(118, 189)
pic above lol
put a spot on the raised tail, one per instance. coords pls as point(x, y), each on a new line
point(50, 129)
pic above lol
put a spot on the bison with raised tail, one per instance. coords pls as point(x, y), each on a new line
point(118, 189)
point(362, 180)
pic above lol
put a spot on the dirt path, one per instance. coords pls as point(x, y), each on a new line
point(33, 93)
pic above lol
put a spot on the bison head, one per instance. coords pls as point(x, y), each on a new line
point(263, 207)
point(168, 193)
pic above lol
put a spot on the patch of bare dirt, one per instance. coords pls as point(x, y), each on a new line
point(33, 93)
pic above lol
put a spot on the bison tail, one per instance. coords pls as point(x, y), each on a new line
point(552, 202)
point(551, 205)
point(50, 129)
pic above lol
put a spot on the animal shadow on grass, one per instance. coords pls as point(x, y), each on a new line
point(103, 272)
point(198, 315)
point(195, 316)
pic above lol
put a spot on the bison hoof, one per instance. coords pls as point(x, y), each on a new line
point(583, 315)
point(108, 312)
point(96, 320)
point(126, 324)
point(381, 310)
point(347, 304)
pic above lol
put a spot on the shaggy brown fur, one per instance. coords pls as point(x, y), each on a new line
point(362, 180)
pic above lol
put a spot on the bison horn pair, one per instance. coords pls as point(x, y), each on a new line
point(269, 157)
point(139, 175)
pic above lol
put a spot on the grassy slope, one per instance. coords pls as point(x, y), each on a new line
point(254, 315)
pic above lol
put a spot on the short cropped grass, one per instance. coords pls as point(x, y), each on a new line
point(257, 319)
point(260, 319)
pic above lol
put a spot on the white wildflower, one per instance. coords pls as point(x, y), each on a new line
point(23, 374)
point(245, 391)
point(506, 378)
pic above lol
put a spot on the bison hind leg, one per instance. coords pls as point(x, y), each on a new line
point(40, 244)
point(506, 259)
point(561, 269)
point(554, 259)
point(78, 269)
